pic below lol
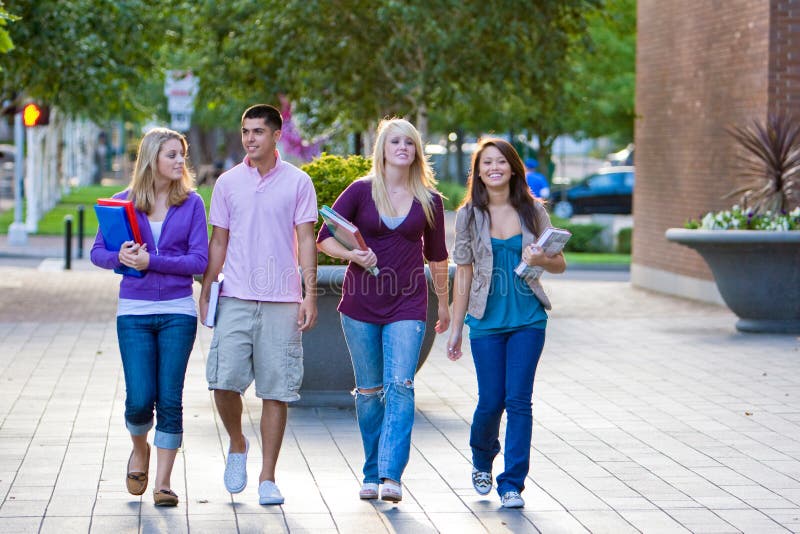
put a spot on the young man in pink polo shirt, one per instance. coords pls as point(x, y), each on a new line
point(263, 213)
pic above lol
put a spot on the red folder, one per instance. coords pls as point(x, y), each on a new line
point(130, 211)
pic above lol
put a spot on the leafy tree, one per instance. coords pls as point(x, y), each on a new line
point(5, 40)
point(94, 57)
point(605, 72)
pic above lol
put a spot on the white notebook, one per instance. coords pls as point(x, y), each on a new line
point(213, 301)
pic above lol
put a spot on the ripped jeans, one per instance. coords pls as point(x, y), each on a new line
point(384, 359)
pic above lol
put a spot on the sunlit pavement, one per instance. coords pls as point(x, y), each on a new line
point(652, 414)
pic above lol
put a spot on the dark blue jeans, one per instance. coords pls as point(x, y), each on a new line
point(155, 352)
point(505, 365)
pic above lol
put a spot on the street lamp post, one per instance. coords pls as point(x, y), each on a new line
point(18, 232)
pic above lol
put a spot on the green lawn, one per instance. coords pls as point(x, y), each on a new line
point(53, 221)
point(589, 258)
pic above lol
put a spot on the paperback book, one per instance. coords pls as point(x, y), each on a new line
point(552, 242)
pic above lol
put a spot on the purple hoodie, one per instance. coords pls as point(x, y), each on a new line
point(181, 252)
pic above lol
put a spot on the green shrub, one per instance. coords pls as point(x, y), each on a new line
point(331, 175)
point(453, 192)
point(585, 237)
point(624, 238)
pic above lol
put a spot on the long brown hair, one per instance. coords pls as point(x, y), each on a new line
point(142, 184)
point(519, 193)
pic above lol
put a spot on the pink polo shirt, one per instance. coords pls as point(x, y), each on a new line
point(260, 214)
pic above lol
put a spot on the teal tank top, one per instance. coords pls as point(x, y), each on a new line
point(511, 304)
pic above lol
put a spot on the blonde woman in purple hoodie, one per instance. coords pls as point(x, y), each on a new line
point(156, 313)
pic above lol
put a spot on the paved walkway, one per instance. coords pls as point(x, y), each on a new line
point(652, 414)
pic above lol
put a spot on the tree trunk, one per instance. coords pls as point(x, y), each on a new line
point(546, 156)
point(462, 173)
point(422, 123)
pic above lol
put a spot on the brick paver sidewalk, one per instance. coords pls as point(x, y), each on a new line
point(652, 414)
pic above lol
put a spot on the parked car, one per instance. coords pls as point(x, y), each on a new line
point(609, 190)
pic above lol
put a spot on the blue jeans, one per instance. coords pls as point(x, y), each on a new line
point(505, 365)
point(385, 357)
point(155, 352)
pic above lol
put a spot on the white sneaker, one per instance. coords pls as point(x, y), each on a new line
point(512, 499)
point(236, 469)
point(369, 491)
point(392, 492)
point(268, 493)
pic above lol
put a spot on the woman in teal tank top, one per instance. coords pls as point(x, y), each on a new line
point(506, 314)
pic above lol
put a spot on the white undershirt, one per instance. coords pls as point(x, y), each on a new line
point(183, 305)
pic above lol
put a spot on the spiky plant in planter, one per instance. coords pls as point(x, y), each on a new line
point(770, 161)
point(755, 270)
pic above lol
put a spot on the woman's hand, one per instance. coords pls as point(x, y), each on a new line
point(134, 255)
point(365, 258)
point(454, 345)
point(444, 318)
point(533, 254)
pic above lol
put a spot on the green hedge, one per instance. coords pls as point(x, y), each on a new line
point(585, 237)
point(453, 192)
point(624, 239)
point(331, 175)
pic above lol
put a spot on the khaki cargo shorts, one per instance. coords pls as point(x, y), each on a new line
point(256, 341)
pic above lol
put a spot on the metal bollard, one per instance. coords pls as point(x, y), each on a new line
point(80, 231)
point(67, 242)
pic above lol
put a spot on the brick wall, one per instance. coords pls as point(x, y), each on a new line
point(701, 66)
point(784, 57)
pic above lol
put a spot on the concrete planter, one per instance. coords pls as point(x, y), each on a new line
point(757, 273)
point(328, 377)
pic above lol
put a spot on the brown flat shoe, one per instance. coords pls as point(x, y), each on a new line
point(137, 481)
point(165, 497)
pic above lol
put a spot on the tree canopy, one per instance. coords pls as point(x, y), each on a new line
point(88, 57)
point(550, 67)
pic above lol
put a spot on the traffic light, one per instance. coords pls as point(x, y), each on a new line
point(35, 115)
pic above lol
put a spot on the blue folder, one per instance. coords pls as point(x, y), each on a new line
point(115, 230)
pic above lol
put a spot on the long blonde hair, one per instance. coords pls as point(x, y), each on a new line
point(145, 169)
point(421, 179)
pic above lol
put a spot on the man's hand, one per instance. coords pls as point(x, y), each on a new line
point(307, 314)
point(202, 304)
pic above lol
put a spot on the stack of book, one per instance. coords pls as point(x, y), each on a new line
point(118, 224)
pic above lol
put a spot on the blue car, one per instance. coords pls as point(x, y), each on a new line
point(609, 190)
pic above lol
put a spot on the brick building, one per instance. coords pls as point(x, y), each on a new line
point(701, 66)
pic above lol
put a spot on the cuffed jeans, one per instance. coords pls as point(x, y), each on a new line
point(385, 357)
point(155, 351)
point(505, 365)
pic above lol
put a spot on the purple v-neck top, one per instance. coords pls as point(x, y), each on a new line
point(400, 291)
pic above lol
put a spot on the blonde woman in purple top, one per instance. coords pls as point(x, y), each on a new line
point(156, 314)
point(401, 216)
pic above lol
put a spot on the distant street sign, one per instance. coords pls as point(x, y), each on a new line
point(180, 87)
point(181, 122)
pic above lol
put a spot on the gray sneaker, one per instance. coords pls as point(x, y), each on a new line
point(512, 499)
point(236, 469)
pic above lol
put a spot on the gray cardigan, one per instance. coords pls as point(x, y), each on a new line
point(474, 246)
